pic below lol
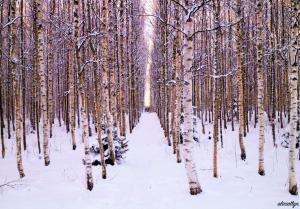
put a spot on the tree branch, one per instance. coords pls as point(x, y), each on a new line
point(217, 27)
point(183, 7)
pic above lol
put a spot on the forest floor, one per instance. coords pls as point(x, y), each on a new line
point(149, 178)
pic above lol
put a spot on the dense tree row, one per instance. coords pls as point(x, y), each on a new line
point(85, 64)
point(79, 64)
point(226, 62)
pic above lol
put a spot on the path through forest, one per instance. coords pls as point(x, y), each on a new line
point(148, 178)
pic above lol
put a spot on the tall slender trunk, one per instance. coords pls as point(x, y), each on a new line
point(50, 69)
point(22, 45)
point(188, 52)
point(14, 7)
point(260, 88)
point(122, 52)
point(112, 69)
point(96, 96)
point(273, 73)
point(293, 73)
point(84, 122)
point(36, 80)
point(71, 78)
point(240, 82)
point(43, 87)
point(178, 87)
point(105, 74)
point(1, 99)
point(217, 82)
point(8, 87)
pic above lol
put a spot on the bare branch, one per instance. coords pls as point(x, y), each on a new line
point(179, 4)
point(10, 22)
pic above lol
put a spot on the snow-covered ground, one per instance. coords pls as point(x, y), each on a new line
point(149, 178)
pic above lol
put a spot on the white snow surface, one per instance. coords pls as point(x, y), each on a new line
point(149, 178)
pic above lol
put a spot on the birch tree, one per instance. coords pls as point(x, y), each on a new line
point(50, 69)
point(71, 73)
point(178, 104)
point(41, 66)
point(240, 75)
point(216, 6)
point(104, 18)
point(260, 88)
point(188, 28)
point(84, 121)
point(15, 8)
point(96, 95)
point(1, 96)
point(293, 77)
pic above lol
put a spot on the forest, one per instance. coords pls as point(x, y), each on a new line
point(149, 104)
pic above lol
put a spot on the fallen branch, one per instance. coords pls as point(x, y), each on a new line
point(11, 184)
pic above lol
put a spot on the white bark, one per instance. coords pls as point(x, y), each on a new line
point(188, 109)
point(260, 91)
point(106, 81)
point(13, 53)
point(293, 77)
point(41, 66)
point(84, 120)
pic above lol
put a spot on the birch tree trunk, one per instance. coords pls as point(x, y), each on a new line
point(84, 121)
point(14, 7)
point(71, 76)
point(260, 88)
point(22, 45)
point(178, 87)
point(217, 86)
point(50, 69)
point(1, 99)
point(240, 82)
point(97, 96)
point(35, 79)
point(43, 87)
point(188, 145)
point(293, 73)
point(122, 60)
point(112, 76)
point(104, 18)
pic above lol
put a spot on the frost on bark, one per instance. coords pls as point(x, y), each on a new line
point(293, 78)
point(84, 121)
point(260, 89)
point(188, 145)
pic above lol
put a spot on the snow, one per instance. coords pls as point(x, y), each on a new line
point(150, 177)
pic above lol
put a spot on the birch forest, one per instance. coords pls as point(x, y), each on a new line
point(149, 104)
